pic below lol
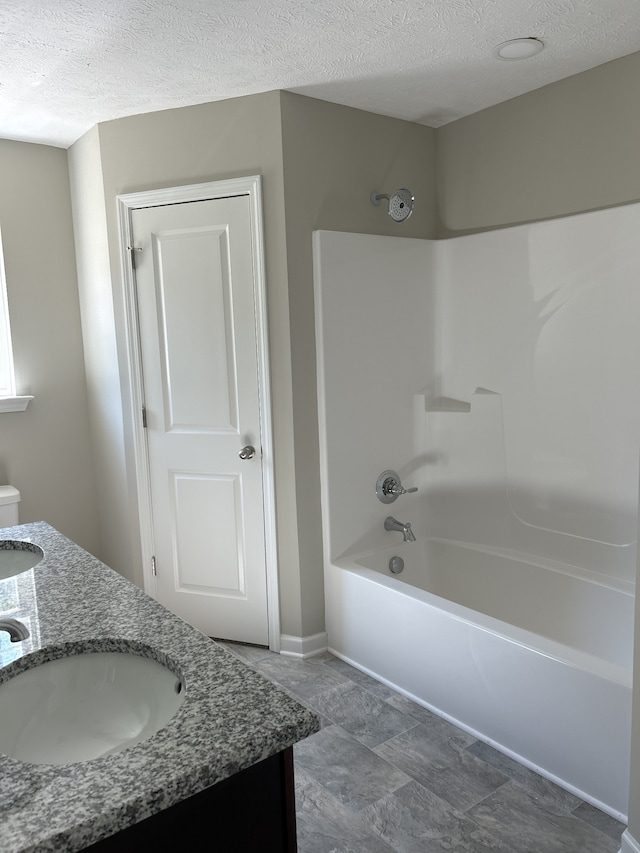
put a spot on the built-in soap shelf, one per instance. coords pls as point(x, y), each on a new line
point(450, 404)
point(445, 404)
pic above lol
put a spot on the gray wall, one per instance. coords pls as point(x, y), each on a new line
point(104, 393)
point(45, 450)
point(568, 147)
point(334, 157)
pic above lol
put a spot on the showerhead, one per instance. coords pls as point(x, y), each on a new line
point(401, 203)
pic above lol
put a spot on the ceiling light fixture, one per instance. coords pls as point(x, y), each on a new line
point(519, 48)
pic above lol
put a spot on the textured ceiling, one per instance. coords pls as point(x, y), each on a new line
point(67, 64)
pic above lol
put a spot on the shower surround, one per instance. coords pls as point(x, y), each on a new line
point(498, 373)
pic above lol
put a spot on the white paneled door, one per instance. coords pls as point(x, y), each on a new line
point(194, 275)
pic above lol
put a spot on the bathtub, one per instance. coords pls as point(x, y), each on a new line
point(531, 656)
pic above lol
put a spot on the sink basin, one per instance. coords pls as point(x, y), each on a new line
point(17, 556)
point(84, 706)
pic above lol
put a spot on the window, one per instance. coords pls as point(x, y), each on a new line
point(9, 400)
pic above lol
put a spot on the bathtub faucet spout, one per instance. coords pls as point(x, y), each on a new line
point(390, 523)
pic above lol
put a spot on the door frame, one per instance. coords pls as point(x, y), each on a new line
point(247, 186)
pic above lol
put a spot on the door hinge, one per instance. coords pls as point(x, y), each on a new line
point(144, 417)
point(153, 567)
point(133, 250)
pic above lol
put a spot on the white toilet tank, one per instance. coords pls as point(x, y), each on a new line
point(9, 500)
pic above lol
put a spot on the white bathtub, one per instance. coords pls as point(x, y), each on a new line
point(540, 667)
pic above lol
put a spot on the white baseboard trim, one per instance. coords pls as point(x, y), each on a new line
point(628, 843)
point(303, 647)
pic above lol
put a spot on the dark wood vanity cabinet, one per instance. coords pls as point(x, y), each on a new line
point(251, 812)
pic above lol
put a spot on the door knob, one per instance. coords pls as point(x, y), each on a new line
point(247, 452)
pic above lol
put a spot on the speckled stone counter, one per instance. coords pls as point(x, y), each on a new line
point(230, 719)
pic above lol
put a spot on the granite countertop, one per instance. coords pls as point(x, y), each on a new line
point(231, 717)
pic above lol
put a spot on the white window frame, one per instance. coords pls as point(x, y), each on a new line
point(10, 401)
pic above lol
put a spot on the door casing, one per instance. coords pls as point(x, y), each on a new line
point(252, 187)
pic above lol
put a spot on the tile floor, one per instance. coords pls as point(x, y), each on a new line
point(384, 775)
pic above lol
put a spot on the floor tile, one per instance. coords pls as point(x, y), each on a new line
point(407, 706)
point(441, 733)
point(442, 764)
point(429, 788)
point(324, 826)
point(361, 678)
point(322, 657)
point(604, 822)
point(303, 678)
point(345, 768)
point(514, 817)
point(544, 791)
point(250, 654)
point(363, 715)
point(433, 742)
point(414, 820)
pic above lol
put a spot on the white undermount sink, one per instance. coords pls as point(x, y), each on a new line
point(84, 706)
point(17, 556)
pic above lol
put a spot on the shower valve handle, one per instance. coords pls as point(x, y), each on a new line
point(400, 490)
point(389, 487)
